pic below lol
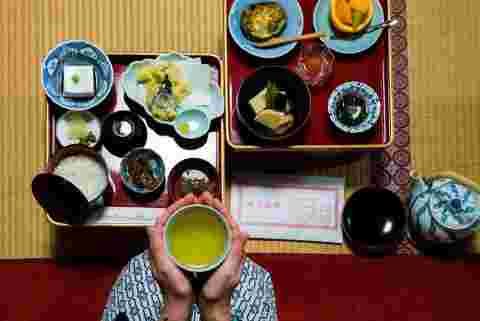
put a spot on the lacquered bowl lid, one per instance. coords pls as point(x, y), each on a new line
point(62, 200)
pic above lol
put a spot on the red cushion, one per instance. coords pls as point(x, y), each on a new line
point(308, 287)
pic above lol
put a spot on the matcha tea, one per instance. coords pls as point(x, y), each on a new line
point(197, 238)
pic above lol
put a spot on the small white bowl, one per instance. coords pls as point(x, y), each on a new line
point(192, 124)
point(64, 122)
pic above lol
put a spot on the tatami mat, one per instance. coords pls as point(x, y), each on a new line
point(443, 41)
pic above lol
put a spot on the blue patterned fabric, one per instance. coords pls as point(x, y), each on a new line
point(137, 294)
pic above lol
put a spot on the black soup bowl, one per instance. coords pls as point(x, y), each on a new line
point(374, 221)
point(286, 80)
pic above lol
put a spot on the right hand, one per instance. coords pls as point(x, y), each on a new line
point(214, 297)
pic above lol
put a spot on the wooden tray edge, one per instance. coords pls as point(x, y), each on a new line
point(221, 138)
point(309, 148)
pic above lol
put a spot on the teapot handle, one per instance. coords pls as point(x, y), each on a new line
point(461, 179)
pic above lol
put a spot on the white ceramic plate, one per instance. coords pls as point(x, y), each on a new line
point(137, 92)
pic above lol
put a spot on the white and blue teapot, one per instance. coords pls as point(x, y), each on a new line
point(444, 208)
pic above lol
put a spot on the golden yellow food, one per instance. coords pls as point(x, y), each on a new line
point(262, 21)
point(154, 76)
point(351, 16)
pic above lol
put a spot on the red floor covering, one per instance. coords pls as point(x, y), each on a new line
point(308, 287)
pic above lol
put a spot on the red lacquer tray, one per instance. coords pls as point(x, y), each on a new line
point(120, 208)
point(372, 67)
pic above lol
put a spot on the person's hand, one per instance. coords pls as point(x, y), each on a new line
point(214, 297)
point(179, 292)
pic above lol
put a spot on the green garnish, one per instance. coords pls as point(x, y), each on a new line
point(271, 95)
point(357, 18)
point(87, 140)
point(75, 78)
point(275, 99)
point(351, 110)
point(78, 127)
point(184, 128)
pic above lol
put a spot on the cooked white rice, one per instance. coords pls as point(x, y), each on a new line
point(85, 173)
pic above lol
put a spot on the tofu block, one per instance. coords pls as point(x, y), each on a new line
point(78, 81)
point(259, 102)
point(273, 119)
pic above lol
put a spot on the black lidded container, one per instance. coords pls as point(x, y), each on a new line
point(123, 131)
point(374, 221)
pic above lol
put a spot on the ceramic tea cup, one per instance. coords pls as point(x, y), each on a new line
point(197, 238)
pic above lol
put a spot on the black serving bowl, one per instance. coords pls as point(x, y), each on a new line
point(123, 131)
point(374, 221)
point(175, 191)
point(298, 94)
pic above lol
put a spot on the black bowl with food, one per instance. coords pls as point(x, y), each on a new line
point(123, 131)
point(192, 175)
point(142, 171)
point(262, 21)
point(273, 103)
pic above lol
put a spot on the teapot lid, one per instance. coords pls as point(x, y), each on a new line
point(453, 205)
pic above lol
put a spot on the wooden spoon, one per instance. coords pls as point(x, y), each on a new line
point(276, 41)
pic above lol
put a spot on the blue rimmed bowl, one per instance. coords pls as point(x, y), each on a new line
point(347, 45)
point(156, 166)
point(294, 28)
point(359, 89)
point(76, 52)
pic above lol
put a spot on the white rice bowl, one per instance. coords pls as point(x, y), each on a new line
point(87, 174)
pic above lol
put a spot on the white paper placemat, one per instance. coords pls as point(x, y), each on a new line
point(282, 207)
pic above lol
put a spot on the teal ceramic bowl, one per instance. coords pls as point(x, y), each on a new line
point(151, 163)
point(351, 44)
point(192, 124)
point(294, 28)
point(190, 210)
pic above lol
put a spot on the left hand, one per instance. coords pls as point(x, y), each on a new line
point(179, 292)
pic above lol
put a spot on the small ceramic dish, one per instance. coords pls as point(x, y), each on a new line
point(346, 44)
point(78, 127)
point(192, 124)
point(293, 28)
point(142, 171)
point(370, 106)
point(209, 98)
point(315, 63)
point(192, 175)
point(298, 97)
point(123, 131)
point(79, 53)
